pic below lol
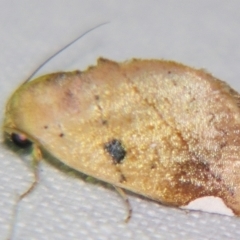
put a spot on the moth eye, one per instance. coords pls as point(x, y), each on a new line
point(20, 140)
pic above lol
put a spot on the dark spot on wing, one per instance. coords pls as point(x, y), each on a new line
point(153, 166)
point(96, 97)
point(174, 83)
point(116, 150)
point(69, 93)
point(61, 135)
point(104, 122)
point(122, 178)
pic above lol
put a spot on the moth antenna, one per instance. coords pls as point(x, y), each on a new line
point(61, 50)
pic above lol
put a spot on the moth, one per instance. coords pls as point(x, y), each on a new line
point(157, 128)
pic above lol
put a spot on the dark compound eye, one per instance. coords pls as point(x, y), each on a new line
point(20, 140)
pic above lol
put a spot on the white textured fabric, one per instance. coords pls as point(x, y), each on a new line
point(202, 34)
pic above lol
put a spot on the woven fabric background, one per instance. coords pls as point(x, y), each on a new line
point(66, 205)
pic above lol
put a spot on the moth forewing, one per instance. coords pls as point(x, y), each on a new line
point(157, 128)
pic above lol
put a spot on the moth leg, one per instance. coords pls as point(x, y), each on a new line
point(37, 156)
point(128, 205)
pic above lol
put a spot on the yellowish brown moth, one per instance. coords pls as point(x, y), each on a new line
point(157, 128)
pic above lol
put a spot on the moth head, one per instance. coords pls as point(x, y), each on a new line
point(14, 126)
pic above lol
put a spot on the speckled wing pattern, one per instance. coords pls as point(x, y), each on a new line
point(158, 128)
